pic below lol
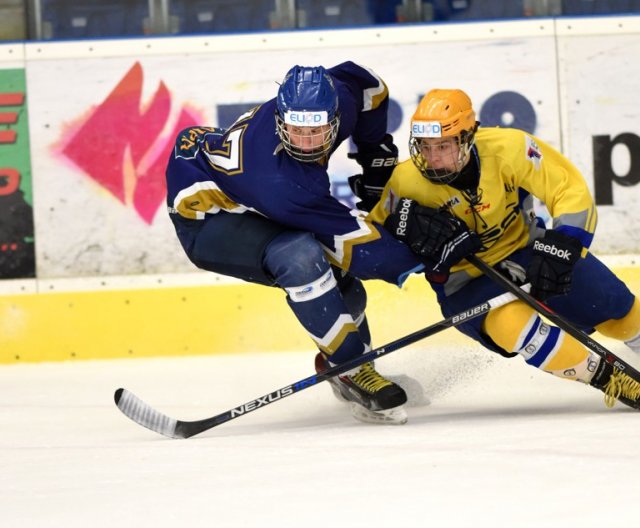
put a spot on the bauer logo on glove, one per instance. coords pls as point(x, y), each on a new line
point(377, 162)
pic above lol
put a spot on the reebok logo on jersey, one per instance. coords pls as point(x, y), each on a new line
point(552, 250)
point(403, 212)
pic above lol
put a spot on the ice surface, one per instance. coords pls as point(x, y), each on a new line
point(490, 442)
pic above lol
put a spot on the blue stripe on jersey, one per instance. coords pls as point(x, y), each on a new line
point(549, 344)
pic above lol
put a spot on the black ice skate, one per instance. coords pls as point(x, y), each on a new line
point(373, 398)
point(616, 385)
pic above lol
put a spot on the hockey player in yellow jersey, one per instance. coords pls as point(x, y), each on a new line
point(462, 180)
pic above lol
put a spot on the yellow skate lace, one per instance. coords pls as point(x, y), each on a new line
point(620, 385)
point(369, 379)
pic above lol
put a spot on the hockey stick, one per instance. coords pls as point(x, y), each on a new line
point(145, 415)
point(556, 319)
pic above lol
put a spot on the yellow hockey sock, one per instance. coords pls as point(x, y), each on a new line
point(516, 327)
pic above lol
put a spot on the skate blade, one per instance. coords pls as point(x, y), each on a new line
point(395, 416)
point(336, 392)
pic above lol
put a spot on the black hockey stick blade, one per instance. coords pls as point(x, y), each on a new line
point(145, 415)
point(556, 319)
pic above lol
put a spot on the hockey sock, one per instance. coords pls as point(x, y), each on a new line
point(516, 327)
point(321, 310)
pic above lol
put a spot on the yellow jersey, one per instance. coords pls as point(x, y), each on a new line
point(514, 166)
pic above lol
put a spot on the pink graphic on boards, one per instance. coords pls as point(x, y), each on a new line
point(122, 147)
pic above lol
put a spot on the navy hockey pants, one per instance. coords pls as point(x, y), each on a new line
point(328, 303)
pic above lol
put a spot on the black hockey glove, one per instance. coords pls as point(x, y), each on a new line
point(437, 236)
point(464, 243)
point(377, 162)
point(554, 256)
point(423, 229)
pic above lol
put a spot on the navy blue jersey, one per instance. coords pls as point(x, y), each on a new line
point(246, 169)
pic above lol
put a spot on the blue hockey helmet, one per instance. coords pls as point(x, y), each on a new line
point(307, 117)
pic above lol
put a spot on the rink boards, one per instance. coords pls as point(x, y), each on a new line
point(147, 316)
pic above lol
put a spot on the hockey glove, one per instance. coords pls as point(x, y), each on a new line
point(553, 260)
point(377, 162)
point(423, 229)
point(463, 244)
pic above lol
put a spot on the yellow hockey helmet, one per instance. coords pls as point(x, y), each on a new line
point(443, 113)
point(450, 109)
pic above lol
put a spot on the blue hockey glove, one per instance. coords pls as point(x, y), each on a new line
point(377, 162)
point(552, 263)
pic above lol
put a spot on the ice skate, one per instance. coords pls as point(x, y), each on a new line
point(372, 398)
point(616, 385)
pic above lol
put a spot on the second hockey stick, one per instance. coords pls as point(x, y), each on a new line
point(145, 415)
point(556, 319)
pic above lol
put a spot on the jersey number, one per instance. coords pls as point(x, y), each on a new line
point(229, 159)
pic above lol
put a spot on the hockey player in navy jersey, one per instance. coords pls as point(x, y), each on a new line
point(486, 178)
point(254, 202)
